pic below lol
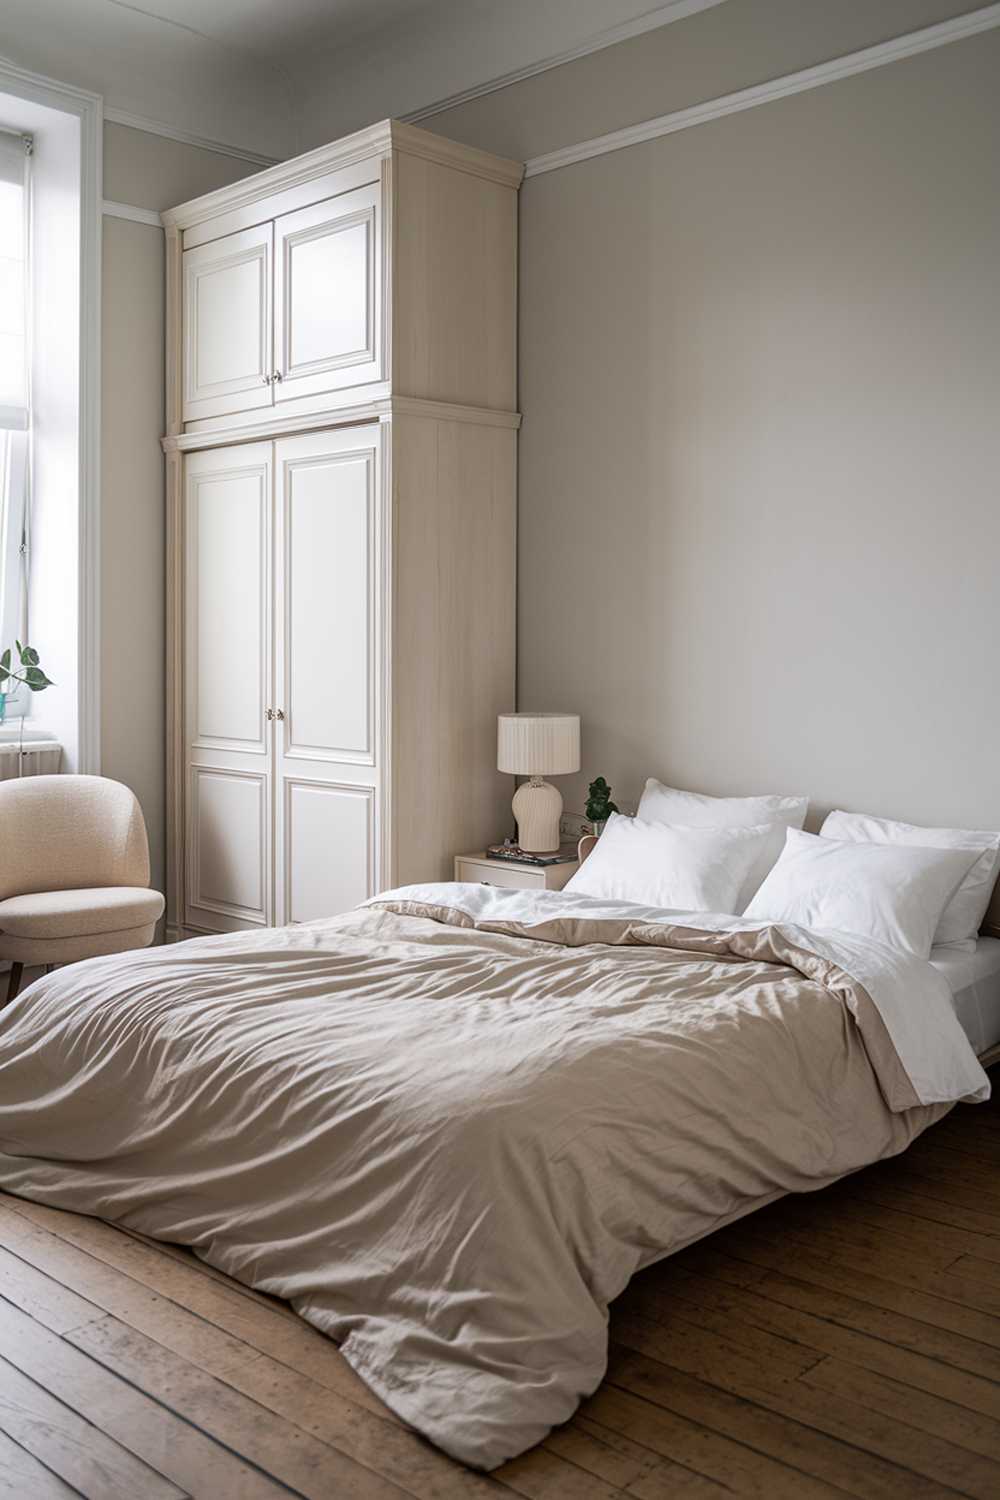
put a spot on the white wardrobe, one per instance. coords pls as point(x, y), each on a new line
point(341, 471)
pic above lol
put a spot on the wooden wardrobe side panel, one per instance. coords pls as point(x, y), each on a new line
point(175, 758)
point(454, 302)
point(453, 662)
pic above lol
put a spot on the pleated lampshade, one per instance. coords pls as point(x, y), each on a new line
point(538, 744)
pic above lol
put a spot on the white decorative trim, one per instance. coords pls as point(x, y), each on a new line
point(448, 411)
point(259, 432)
point(186, 138)
point(88, 108)
point(382, 410)
point(132, 213)
point(909, 45)
point(89, 687)
point(360, 146)
point(661, 15)
point(446, 153)
point(363, 146)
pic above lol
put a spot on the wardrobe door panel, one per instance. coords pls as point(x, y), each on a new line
point(329, 531)
point(328, 314)
point(227, 338)
point(327, 521)
point(229, 841)
point(227, 664)
point(328, 839)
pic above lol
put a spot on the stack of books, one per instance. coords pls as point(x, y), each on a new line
point(514, 854)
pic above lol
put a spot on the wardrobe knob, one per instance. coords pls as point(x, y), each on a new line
point(269, 714)
point(266, 379)
point(276, 376)
point(279, 713)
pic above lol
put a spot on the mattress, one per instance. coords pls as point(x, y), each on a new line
point(975, 987)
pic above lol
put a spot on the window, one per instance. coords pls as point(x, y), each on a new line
point(14, 392)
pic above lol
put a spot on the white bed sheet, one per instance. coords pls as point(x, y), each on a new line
point(975, 986)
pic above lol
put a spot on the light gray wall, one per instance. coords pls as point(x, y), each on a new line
point(149, 172)
point(759, 515)
point(759, 495)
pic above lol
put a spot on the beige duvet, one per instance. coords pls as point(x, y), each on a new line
point(447, 1137)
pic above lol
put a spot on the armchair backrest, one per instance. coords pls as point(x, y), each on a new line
point(61, 833)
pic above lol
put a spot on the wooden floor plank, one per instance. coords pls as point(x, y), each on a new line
point(72, 1448)
point(186, 1257)
point(928, 1239)
point(42, 1297)
point(854, 1279)
point(987, 1272)
point(894, 1328)
point(606, 1454)
point(545, 1475)
point(894, 1398)
point(672, 1481)
point(278, 1447)
point(145, 1429)
point(886, 1193)
point(817, 1336)
point(736, 1465)
point(21, 1475)
point(838, 1439)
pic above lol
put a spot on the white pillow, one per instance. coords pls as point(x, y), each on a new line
point(962, 917)
point(665, 804)
point(686, 869)
point(890, 892)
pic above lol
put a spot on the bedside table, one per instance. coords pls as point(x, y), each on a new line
point(481, 870)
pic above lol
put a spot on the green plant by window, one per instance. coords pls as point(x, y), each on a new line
point(28, 671)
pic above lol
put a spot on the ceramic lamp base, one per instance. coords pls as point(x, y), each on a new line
point(538, 808)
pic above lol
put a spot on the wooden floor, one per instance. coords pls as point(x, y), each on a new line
point(846, 1342)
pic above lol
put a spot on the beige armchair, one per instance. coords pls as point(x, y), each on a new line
point(74, 872)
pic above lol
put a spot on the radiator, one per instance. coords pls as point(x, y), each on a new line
point(37, 757)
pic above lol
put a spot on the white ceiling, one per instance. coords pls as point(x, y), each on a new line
point(278, 76)
point(282, 32)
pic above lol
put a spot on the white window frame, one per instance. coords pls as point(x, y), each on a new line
point(34, 89)
point(14, 469)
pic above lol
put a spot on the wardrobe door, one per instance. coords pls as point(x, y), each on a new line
point(329, 530)
point(228, 731)
point(328, 313)
point(227, 338)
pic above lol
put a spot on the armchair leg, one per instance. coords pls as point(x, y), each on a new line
point(14, 982)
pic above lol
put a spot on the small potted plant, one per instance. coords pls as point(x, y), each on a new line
point(599, 804)
point(26, 673)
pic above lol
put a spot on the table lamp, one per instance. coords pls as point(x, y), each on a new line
point(537, 745)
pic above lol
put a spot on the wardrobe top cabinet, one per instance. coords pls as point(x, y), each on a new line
point(381, 266)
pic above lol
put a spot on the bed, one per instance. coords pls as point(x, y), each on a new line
point(974, 981)
point(449, 1126)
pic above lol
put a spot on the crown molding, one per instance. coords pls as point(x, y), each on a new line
point(131, 212)
point(878, 56)
point(186, 137)
point(360, 146)
point(652, 20)
point(446, 153)
point(364, 145)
